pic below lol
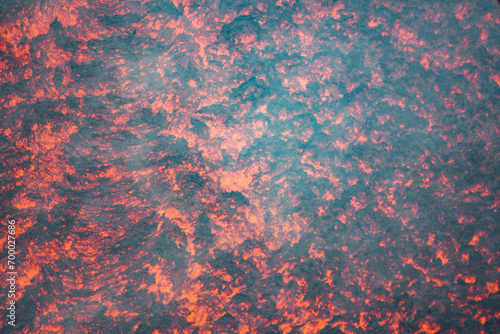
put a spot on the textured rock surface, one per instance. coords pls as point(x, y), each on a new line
point(252, 166)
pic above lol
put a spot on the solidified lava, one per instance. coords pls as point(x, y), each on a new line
point(194, 166)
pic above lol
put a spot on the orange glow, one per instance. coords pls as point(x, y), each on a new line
point(181, 166)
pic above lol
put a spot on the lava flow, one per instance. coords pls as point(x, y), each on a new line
point(231, 166)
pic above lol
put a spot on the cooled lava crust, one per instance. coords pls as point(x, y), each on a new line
point(251, 166)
